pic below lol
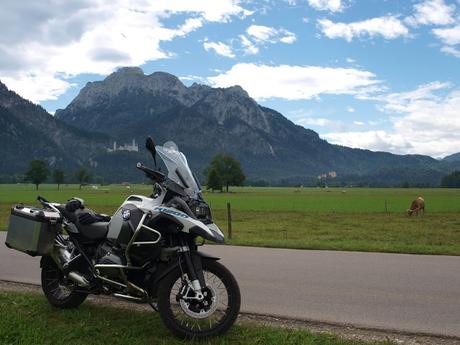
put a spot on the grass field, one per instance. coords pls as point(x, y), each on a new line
point(29, 319)
point(339, 219)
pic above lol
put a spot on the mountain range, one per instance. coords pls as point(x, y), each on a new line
point(203, 121)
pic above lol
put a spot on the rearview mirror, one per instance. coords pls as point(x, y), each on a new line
point(150, 146)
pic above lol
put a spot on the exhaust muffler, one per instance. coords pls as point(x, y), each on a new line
point(78, 279)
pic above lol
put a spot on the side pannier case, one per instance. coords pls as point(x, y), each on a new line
point(32, 230)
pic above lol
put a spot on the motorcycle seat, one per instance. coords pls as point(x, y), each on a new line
point(94, 231)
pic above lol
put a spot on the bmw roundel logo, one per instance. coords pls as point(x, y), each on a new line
point(126, 214)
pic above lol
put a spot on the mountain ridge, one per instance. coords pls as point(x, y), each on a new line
point(205, 120)
point(29, 132)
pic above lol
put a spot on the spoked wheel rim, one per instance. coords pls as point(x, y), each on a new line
point(56, 286)
point(200, 316)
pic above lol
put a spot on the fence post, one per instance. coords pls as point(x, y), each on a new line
point(386, 207)
point(229, 219)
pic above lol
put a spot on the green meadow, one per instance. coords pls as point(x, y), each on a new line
point(358, 219)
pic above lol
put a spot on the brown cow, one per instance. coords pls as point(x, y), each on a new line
point(416, 206)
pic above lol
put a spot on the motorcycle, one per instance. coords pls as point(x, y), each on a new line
point(147, 252)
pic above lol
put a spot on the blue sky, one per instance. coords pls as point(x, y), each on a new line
point(382, 75)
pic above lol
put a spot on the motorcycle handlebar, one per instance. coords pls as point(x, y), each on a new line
point(42, 200)
point(152, 174)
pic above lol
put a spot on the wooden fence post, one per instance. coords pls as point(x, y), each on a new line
point(229, 219)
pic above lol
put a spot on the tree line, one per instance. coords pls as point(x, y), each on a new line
point(223, 171)
point(39, 171)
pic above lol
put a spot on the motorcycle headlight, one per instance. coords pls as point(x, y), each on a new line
point(202, 211)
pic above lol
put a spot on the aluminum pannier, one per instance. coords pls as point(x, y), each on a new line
point(32, 230)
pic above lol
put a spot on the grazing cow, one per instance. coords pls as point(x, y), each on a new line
point(416, 206)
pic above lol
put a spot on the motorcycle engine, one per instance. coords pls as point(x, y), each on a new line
point(108, 254)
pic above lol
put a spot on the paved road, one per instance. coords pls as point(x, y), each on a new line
point(414, 293)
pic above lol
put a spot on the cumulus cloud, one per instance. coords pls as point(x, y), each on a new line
point(295, 82)
point(58, 40)
point(374, 140)
point(327, 5)
point(451, 39)
point(248, 47)
point(257, 36)
point(321, 122)
point(263, 34)
point(450, 36)
point(432, 12)
point(219, 48)
point(425, 120)
point(451, 51)
point(388, 27)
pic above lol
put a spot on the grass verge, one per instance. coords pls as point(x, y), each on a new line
point(28, 319)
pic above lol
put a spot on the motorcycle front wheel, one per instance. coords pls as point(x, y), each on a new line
point(188, 317)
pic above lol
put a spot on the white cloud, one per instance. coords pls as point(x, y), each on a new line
point(389, 27)
point(432, 12)
point(309, 118)
point(248, 46)
point(327, 5)
point(358, 123)
point(373, 140)
point(350, 109)
point(193, 78)
point(425, 121)
point(311, 121)
point(295, 82)
point(219, 48)
point(450, 36)
point(451, 51)
point(262, 34)
point(44, 43)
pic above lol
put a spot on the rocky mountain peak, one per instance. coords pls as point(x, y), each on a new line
point(129, 71)
point(9, 98)
point(3, 87)
point(236, 91)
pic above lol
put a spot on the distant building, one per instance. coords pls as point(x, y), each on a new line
point(125, 147)
point(332, 174)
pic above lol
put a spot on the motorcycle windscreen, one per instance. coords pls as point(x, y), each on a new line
point(178, 169)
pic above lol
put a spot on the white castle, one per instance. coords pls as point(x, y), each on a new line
point(126, 147)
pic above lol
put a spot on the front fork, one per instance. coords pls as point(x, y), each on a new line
point(195, 274)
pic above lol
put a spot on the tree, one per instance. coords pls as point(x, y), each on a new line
point(452, 180)
point(224, 170)
point(214, 182)
point(58, 177)
point(82, 176)
point(37, 172)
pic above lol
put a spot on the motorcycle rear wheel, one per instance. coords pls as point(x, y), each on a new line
point(187, 318)
point(58, 292)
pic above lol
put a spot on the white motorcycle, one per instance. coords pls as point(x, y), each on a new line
point(147, 252)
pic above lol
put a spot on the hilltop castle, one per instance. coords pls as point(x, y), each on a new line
point(126, 147)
